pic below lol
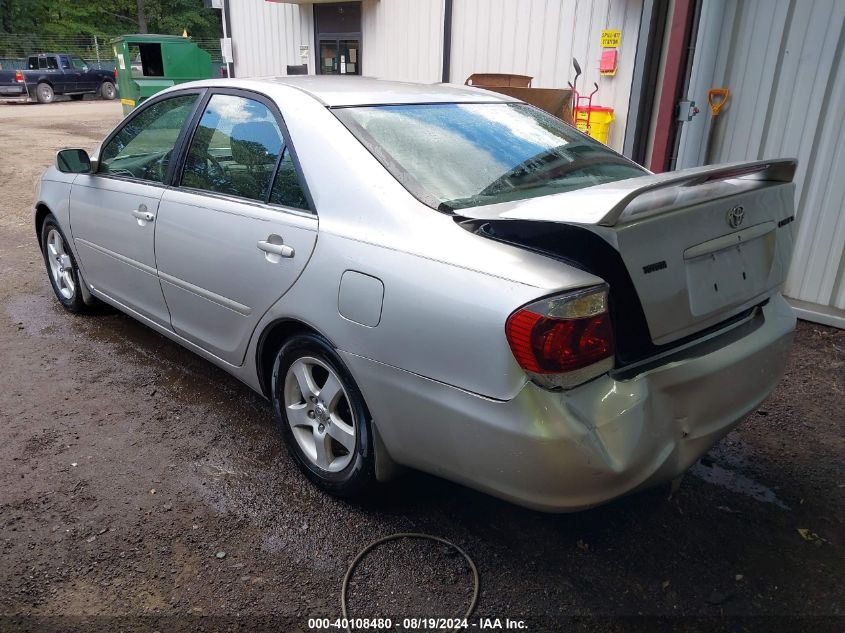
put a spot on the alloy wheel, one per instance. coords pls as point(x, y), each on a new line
point(319, 414)
point(61, 266)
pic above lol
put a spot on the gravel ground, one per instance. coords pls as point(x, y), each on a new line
point(143, 489)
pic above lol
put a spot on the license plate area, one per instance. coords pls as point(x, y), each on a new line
point(11, 90)
point(728, 276)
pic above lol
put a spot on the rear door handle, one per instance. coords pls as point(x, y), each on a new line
point(282, 250)
point(143, 215)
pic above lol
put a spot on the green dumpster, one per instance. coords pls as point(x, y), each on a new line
point(147, 64)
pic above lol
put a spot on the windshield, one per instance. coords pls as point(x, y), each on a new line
point(457, 155)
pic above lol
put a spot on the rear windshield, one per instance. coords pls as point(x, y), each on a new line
point(457, 155)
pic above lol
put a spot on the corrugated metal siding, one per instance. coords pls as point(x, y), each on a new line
point(403, 39)
point(540, 38)
point(783, 62)
point(266, 36)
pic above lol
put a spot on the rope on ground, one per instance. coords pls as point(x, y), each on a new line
point(395, 537)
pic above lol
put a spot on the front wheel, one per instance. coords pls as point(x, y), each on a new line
point(44, 93)
point(323, 417)
point(107, 90)
point(61, 266)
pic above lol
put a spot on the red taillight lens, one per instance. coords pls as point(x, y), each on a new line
point(18, 76)
point(564, 334)
point(115, 73)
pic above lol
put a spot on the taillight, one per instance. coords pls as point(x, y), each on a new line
point(565, 340)
point(18, 76)
point(115, 72)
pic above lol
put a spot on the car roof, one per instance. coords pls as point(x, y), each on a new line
point(339, 91)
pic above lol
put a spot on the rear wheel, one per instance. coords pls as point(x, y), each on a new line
point(77, 97)
point(61, 266)
point(44, 93)
point(323, 417)
point(107, 90)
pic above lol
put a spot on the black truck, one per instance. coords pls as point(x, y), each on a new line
point(51, 74)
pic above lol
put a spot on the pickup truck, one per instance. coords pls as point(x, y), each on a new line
point(50, 74)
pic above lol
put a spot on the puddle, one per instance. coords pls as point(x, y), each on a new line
point(736, 482)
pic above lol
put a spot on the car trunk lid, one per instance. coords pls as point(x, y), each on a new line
point(699, 246)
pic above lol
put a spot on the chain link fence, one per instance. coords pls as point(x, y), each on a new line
point(15, 47)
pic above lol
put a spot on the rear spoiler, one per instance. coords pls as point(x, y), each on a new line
point(779, 170)
point(606, 204)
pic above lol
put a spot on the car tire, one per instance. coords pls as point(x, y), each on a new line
point(77, 97)
point(61, 266)
point(328, 434)
point(44, 93)
point(108, 91)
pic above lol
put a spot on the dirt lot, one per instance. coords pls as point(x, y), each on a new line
point(143, 489)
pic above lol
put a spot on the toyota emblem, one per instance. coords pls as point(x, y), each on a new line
point(735, 216)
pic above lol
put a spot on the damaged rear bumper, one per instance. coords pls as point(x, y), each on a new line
point(570, 450)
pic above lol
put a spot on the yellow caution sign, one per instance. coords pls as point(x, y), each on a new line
point(611, 39)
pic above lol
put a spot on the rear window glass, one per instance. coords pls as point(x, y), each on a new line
point(458, 155)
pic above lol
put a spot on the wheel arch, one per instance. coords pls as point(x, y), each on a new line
point(41, 213)
point(269, 342)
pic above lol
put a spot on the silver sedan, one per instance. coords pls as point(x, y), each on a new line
point(435, 277)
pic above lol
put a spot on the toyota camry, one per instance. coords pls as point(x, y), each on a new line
point(435, 277)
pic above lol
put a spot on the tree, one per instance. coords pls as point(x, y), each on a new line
point(72, 18)
point(142, 19)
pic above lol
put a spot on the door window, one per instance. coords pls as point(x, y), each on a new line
point(143, 146)
point(52, 64)
point(234, 149)
point(79, 64)
point(287, 191)
point(340, 57)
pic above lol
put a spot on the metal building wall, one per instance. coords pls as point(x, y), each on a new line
point(266, 36)
point(540, 38)
point(402, 39)
point(783, 62)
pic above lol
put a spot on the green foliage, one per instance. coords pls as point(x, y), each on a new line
point(74, 18)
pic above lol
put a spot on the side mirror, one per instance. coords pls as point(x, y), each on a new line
point(73, 161)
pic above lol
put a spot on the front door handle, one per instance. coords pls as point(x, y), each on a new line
point(282, 250)
point(142, 214)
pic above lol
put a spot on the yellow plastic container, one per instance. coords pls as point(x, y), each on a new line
point(594, 121)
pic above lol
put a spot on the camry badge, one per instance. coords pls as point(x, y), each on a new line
point(735, 216)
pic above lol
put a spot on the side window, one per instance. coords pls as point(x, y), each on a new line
point(234, 149)
point(42, 63)
point(78, 63)
point(52, 64)
point(32, 63)
point(65, 63)
point(286, 189)
point(142, 147)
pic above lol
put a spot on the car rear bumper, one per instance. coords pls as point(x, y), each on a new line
point(570, 450)
point(9, 97)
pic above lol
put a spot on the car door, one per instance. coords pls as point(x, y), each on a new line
point(61, 83)
point(85, 80)
point(70, 79)
point(236, 231)
point(113, 212)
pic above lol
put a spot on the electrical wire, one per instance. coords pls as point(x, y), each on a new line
point(412, 535)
